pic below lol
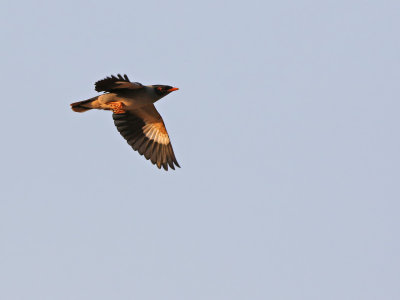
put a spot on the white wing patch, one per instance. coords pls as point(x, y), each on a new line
point(156, 132)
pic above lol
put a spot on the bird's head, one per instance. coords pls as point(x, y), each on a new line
point(164, 90)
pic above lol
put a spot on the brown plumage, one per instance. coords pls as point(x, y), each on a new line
point(135, 116)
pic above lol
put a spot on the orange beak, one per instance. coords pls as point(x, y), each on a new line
point(173, 89)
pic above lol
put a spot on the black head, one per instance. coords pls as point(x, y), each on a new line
point(164, 90)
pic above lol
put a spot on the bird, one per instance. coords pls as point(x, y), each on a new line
point(135, 116)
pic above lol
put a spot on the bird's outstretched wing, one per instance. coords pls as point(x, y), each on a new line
point(145, 132)
point(116, 83)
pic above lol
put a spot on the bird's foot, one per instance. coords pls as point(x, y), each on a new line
point(117, 107)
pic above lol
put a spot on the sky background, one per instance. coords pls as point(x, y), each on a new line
point(286, 126)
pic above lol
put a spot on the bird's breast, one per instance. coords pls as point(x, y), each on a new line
point(131, 99)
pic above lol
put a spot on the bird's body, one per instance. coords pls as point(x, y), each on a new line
point(130, 98)
point(135, 116)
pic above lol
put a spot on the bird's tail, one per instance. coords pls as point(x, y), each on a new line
point(83, 106)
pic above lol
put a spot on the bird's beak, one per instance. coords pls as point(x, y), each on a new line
point(173, 89)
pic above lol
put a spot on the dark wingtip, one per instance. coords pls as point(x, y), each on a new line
point(176, 162)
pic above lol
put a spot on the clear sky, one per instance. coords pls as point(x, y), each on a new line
point(286, 126)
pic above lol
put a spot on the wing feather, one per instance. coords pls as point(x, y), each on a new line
point(116, 83)
point(145, 132)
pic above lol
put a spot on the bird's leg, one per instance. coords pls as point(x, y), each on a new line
point(117, 107)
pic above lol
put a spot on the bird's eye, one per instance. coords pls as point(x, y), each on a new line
point(159, 88)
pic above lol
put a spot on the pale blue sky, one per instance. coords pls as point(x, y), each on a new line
point(286, 126)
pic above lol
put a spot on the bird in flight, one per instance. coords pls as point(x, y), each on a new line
point(135, 116)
